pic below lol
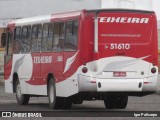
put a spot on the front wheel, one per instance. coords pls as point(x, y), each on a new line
point(22, 99)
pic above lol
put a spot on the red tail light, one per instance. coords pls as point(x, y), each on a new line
point(84, 69)
point(153, 70)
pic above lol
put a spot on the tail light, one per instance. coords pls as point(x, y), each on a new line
point(153, 70)
point(84, 69)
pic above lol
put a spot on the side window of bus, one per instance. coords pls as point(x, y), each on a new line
point(36, 38)
point(58, 39)
point(71, 36)
point(26, 39)
point(17, 41)
point(47, 37)
point(9, 43)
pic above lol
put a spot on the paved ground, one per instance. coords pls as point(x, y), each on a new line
point(88, 108)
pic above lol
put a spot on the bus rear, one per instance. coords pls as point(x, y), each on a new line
point(125, 55)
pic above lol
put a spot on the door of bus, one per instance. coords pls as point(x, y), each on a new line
point(58, 43)
point(8, 60)
point(70, 48)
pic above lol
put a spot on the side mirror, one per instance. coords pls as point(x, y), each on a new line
point(3, 39)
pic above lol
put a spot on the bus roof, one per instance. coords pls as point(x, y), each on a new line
point(70, 14)
point(44, 18)
point(121, 10)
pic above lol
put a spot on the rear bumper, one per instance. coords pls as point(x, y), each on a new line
point(89, 84)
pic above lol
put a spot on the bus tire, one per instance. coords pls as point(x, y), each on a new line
point(122, 102)
point(77, 101)
point(22, 99)
point(110, 102)
point(67, 103)
point(54, 101)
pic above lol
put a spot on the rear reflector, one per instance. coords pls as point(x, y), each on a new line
point(93, 81)
point(153, 70)
point(145, 82)
point(84, 69)
point(119, 74)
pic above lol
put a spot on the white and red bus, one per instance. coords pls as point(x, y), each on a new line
point(107, 54)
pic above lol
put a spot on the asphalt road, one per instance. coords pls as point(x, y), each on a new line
point(88, 108)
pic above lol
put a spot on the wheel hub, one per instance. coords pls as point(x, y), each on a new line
point(18, 91)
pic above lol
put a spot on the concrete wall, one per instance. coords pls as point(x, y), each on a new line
point(26, 8)
point(156, 8)
point(133, 4)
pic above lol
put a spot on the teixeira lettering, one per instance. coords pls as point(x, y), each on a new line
point(42, 59)
point(123, 20)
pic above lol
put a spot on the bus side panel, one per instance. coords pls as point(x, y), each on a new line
point(36, 85)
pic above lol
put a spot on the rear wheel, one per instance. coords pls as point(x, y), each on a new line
point(122, 102)
point(22, 99)
point(113, 102)
point(57, 102)
point(67, 103)
point(77, 100)
point(110, 102)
